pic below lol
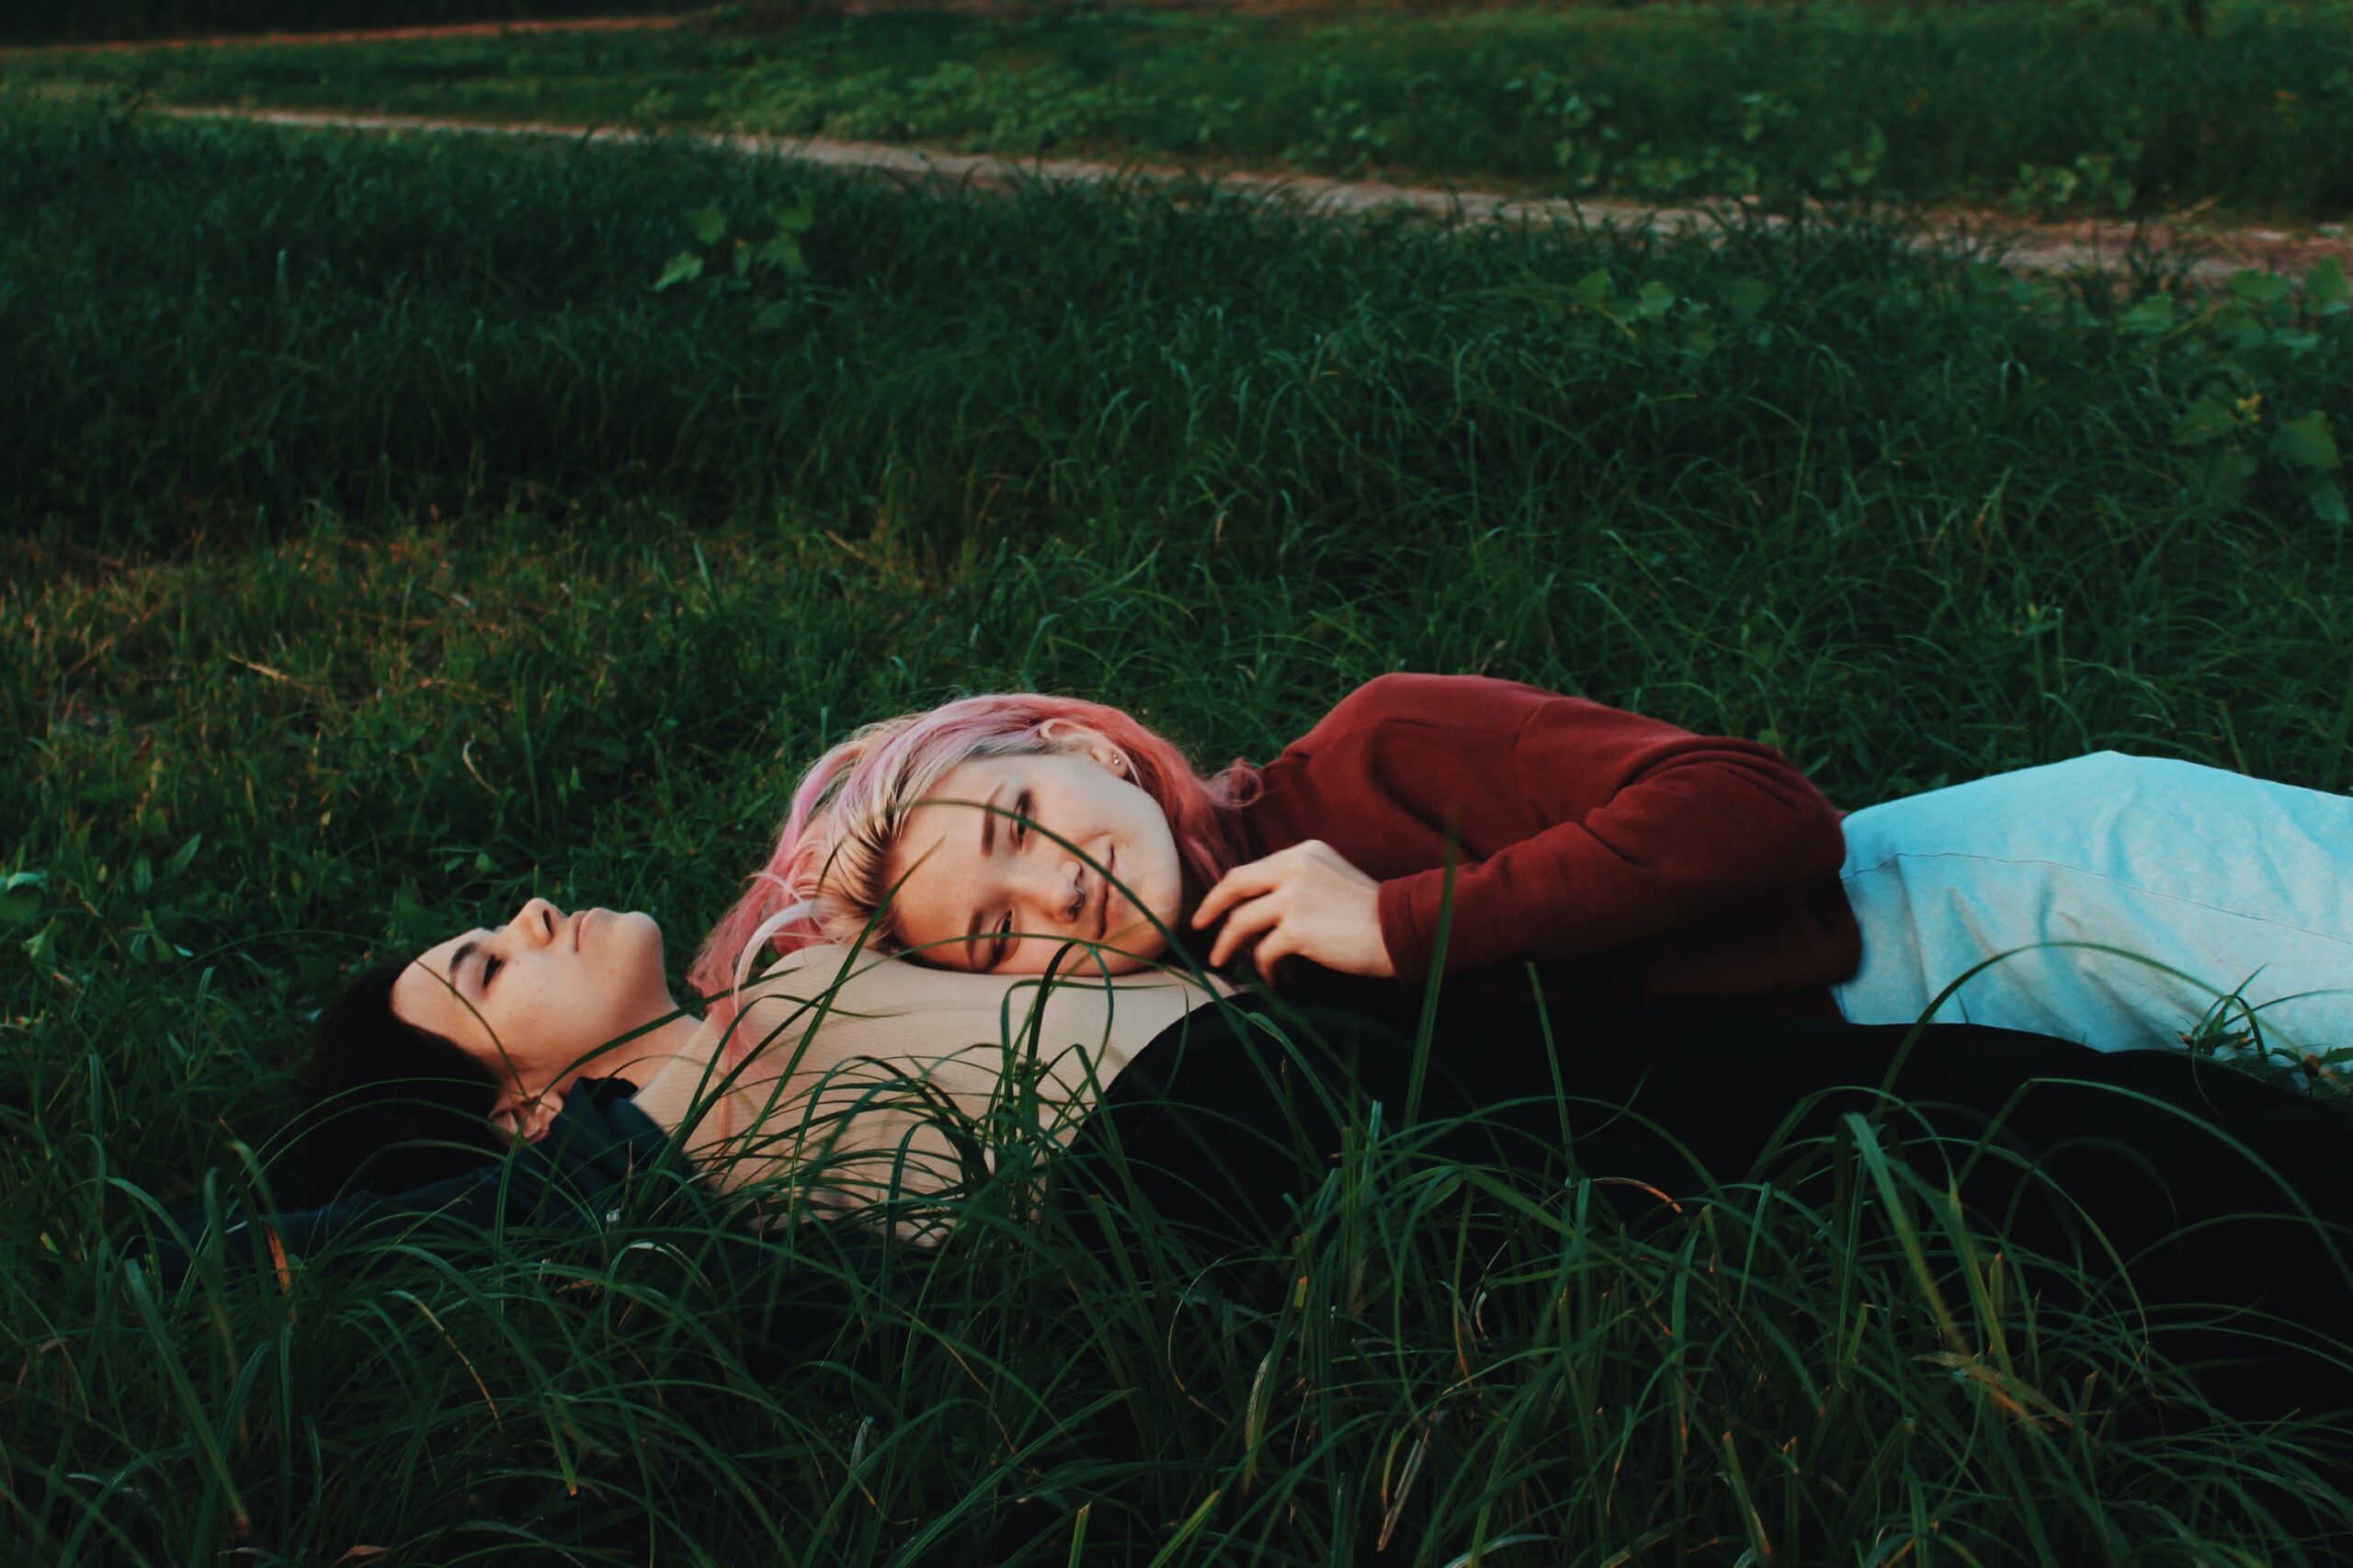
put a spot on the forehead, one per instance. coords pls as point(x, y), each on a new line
point(936, 860)
point(943, 830)
point(420, 996)
point(973, 779)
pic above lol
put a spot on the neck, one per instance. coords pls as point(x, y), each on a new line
point(642, 1058)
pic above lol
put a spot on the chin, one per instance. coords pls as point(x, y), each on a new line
point(640, 926)
point(633, 941)
point(1139, 947)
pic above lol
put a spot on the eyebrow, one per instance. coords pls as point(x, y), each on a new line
point(988, 849)
point(465, 951)
point(988, 820)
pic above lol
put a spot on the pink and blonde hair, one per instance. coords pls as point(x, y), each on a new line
point(831, 870)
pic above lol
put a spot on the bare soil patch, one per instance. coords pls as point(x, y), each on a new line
point(2206, 254)
point(369, 35)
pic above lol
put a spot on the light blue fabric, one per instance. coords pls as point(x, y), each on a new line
point(2241, 884)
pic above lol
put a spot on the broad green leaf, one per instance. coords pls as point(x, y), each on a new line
point(791, 217)
point(1746, 296)
point(2227, 473)
point(683, 268)
point(2328, 504)
point(781, 249)
point(775, 315)
point(1655, 300)
point(2208, 419)
point(1593, 288)
point(2152, 316)
point(2241, 328)
point(2305, 441)
point(2325, 287)
point(2261, 287)
point(709, 223)
point(742, 259)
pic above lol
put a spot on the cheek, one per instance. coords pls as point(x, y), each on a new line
point(934, 903)
point(1160, 875)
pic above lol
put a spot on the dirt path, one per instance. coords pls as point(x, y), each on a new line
point(2210, 255)
point(365, 35)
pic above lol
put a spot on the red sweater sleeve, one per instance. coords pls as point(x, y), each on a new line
point(1579, 827)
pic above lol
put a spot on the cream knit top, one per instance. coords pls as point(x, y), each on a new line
point(850, 1069)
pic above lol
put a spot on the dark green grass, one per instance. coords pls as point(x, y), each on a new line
point(380, 547)
point(2077, 109)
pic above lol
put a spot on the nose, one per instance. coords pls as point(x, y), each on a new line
point(537, 921)
point(1053, 892)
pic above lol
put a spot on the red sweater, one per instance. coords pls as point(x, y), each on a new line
point(1633, 859)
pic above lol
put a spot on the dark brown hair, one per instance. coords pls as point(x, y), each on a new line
point(393, 1107)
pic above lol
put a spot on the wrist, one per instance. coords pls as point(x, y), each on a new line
point(1400, 934)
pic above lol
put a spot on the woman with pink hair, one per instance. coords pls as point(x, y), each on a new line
point(1482, 825)
point(833, 868)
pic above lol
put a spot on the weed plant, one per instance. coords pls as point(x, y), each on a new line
point(2095, 108)
point(382, 546)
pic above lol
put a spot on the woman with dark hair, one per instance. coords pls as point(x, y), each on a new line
point(842, 1081)
point(403, 1101)
point(424, 1066)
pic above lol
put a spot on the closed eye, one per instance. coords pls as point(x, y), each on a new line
point(489, 968)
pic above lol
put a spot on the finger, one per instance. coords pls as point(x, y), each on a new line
point(1242, 882)
point(1258, 916)
point(1271, 952)
point(1243, 928)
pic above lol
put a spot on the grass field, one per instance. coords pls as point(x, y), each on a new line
point(2066, 108)
point(379, 545)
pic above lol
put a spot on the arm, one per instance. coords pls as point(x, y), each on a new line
point(1633, 827)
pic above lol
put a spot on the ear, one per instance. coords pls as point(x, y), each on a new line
point(527, 1121)
point(1079, 740)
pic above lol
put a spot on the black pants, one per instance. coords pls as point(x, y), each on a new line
point(2222, 1189)
point(2201, 1174)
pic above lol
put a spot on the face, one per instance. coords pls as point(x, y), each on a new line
point(999, 896)
point(532, 997)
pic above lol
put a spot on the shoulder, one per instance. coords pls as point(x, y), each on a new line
point(839, 1003)
point(866, 1000)
point(875, 980)
point(1457, 704)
